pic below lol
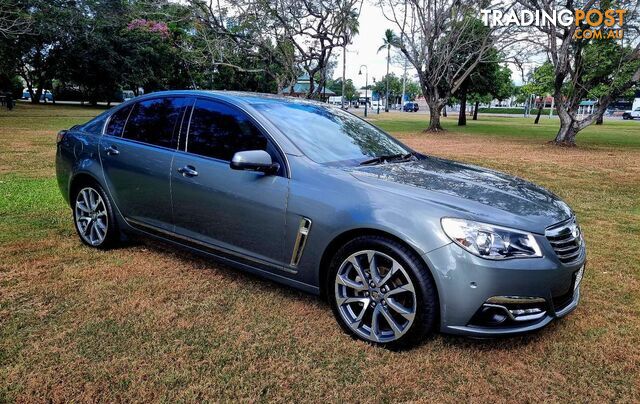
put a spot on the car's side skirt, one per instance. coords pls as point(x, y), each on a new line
point(233, 259)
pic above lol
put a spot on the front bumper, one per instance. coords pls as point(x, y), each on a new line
point(465, 283)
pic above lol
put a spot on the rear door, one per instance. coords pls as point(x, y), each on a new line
point(238, 212)
point(136, 152)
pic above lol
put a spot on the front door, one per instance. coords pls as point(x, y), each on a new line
point(238, 212)
point(136, 152)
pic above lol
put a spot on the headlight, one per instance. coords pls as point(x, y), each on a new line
point(488, 241)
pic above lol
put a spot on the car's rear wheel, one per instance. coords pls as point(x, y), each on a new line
point(381, 292)
point(93, 216)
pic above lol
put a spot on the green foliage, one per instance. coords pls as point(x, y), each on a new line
point(350, 91)
point(540, 81)
point(11, 84)
point(412, 89)
point(504, 87)
point(605, 75)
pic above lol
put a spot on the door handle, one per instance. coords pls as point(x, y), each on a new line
point(188, 171)
point(111, 151)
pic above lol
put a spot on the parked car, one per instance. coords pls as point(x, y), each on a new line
point(127, 95)
point(411, 107)
point(631, 114)
point(45, 96)
point(309, 195)
point(377, 104)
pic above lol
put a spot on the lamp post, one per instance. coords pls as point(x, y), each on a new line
point(366, 87)
point(378, 103)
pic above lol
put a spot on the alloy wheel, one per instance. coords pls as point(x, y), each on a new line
point(91, 216)
point(375, 296)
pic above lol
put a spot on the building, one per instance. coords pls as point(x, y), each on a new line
point(301, 88)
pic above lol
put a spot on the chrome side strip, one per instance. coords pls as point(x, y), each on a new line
point(301, 241)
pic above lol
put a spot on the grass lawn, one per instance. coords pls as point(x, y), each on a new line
point(145, 322)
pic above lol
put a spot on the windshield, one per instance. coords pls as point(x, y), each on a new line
point(329, 135)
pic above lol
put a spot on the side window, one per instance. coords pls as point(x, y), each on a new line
point(117, 121)
point(217, 130)
point(153, 121)
point(95, 126)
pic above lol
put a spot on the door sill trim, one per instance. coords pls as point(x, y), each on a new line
point(209, 248)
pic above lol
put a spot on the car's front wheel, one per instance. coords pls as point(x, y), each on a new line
point(93, 216)
point(381, 292)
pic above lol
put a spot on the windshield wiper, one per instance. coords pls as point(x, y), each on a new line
point(388, 158)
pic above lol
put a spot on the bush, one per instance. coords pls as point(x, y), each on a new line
point(11, 84)
point(72, 93)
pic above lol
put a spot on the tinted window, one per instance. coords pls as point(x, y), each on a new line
point(153, 121)
point(217, 130)
point(95, 126)
point(117, 121)
point(329, 135)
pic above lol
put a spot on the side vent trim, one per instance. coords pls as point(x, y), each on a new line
point(301, 241)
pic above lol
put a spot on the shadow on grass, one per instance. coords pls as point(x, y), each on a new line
point(203, 261)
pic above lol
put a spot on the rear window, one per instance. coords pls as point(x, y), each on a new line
point(154, 121)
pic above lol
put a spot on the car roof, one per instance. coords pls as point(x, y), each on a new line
point(243, 97)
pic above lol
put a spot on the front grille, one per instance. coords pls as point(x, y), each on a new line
point(566, 240)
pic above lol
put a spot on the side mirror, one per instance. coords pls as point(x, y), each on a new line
point(254, 160)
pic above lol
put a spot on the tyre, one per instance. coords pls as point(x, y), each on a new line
point(93, 216)
point(381, 292)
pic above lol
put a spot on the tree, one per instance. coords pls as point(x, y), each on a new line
point(603, 69)
point(481, 85)
point(504, 87)
point(280, 38)
point(315, 28)
point(412, 90)
point(337, 86)
point(53, 25)
point(14, 20)
point(239, 42)
point(391, 85)
point(540, 84)
point(443, 42)
point(388, 41)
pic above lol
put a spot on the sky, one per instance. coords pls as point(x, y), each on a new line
point(364, 50)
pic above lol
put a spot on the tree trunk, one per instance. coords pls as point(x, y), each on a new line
point(475, 111)
point(444, 111)
point(538, 116)
point(35, 97)
point(599, 119)
point(462, 116)
point(386, 101)
point(568, 130)
point(344, 72)
point(434, 117)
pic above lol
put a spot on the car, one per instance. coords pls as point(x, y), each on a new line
point(45, 96)
point(411, 107)
point(401, 244)
point(631, 114)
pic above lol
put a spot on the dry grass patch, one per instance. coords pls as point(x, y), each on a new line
point(148, 323)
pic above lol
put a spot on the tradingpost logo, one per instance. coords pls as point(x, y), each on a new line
point(592, 24)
